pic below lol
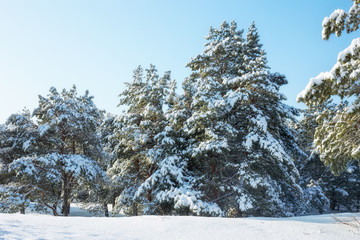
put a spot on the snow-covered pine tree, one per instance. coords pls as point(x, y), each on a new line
point(336, 137)
point(323, 187)
point(17, 139)
point(138, 137)
point(150, 164)
point(238, 126)
point(96, 200)
point(312, 170)
point(109, 189)
point(207, 128)
point(172, 184)
point(68, 149)
point(18, 136)
point(268, 177)
point(123, 173)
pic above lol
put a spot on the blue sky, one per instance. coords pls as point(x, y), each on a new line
point(97, 44)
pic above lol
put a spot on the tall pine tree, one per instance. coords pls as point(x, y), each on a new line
point(240, 142)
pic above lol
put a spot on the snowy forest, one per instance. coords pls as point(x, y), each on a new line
point(223, 143)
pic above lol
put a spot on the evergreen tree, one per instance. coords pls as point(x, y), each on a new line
point(240, 140)
point(17, 139)
point(149, 143)
point(311, 169)
point(173, 184)
point(96, 198)
point(114, 143)
point(320, 185)
point(138, 136)
point(68, 149)
point(109, 141)
point(336, 137)
point(207, 127)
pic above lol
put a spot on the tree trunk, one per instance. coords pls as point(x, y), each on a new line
point(333, 203)
point(22, 209)
point(148, 195)
point(47, 205)
point(213, 169)
point(215, 192)
point(66, 193)
point(54, 206)
point(106, 210)
point(113, 202)
point(135, 209)
point(73, 147)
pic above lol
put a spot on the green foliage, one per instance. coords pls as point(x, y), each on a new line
point(336, 136)
point(320, 185)
point(136, 134)
point(58, 153)
point(237, 128)
point(339, 20)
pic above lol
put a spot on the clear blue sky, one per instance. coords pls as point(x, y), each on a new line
point(97, 44)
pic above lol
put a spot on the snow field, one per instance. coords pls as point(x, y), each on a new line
point(33, 226)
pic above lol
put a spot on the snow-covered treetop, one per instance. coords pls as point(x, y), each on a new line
point(339, 20)
point(146, 93)
point(20, 120)
point(224, 45)
point(19, 133)
point(67, 112)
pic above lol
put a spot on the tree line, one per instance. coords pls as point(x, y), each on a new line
point(227, 146)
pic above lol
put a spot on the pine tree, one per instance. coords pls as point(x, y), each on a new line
point(18, 136)
point(149, 143)
point(108, 136)
point(241, 143)
point(336, 137)
point(207, 128)
point(17, 139)
point(312, 170)
point(68, 149)
point(173, 183)
point(114, 144)
point(320, 185)
point(268, 175)
point(138, 136)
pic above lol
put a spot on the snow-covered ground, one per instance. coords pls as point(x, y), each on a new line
point(35, 226)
